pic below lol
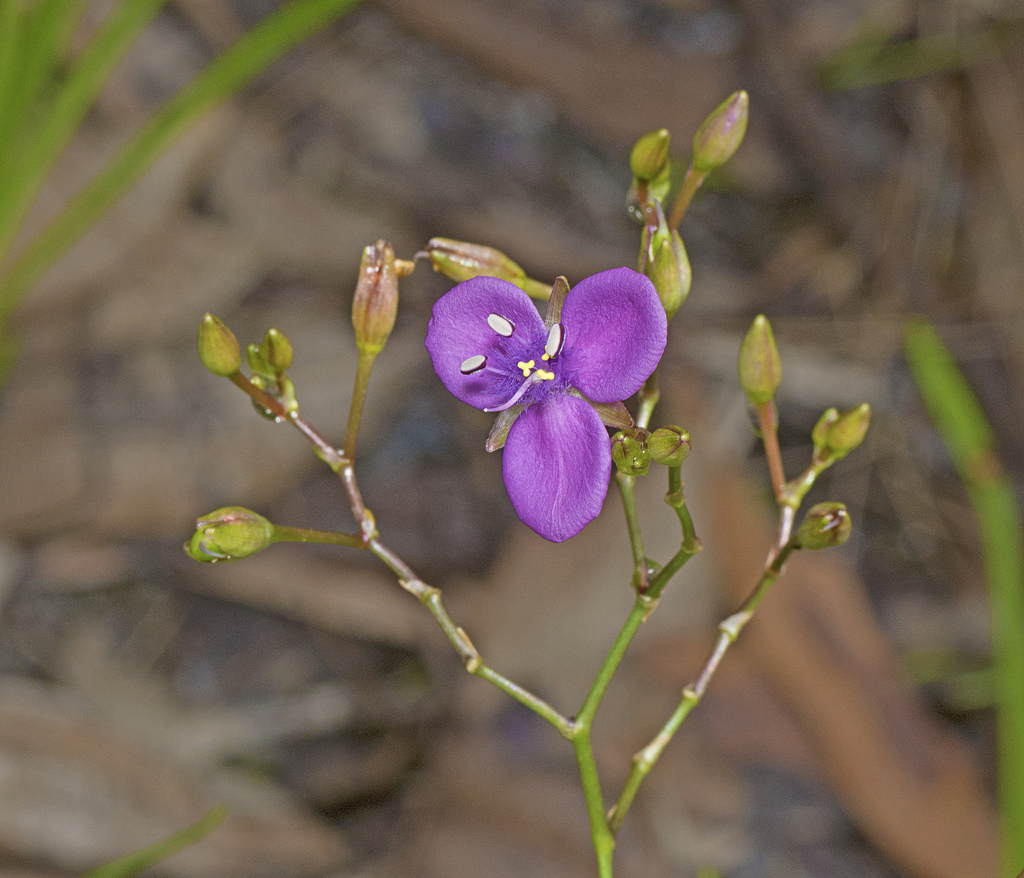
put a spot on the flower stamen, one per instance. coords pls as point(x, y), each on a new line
point(501, 325)
point(556, 337)
point(473, 364)
point(526, 367)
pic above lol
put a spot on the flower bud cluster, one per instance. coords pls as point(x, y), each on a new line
point(269, 362)
point(836, 435)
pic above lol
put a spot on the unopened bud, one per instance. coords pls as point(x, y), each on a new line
point(218, 347)
point(375, 304)
point(720, 134)
point(229, 534)
point(824, 526)
point(277, 350)
point(649, 157)
point(669, 445)
point(630, 455)
point(819, 435)
point(461, 261)
point(663, 259)
point(759, 365)
point(848, 430)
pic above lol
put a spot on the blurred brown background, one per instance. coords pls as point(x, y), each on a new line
point(848, 734)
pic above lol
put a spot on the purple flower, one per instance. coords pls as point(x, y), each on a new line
point(492, 350)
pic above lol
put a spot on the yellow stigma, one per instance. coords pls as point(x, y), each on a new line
point(545, 376)
point(526, 367)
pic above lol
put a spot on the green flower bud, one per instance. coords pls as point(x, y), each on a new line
point(819, 435)
point(229, 534)
point(461, 261)
point(669, 445)
point(664, 260)
point(630, 454)
point(257, 360)
point(720, 134)
point(824, 526)
point(759, 365)
point(218, 347)
point(375, 304)
point(277, 350)
point(847, 432)
point(649, 158)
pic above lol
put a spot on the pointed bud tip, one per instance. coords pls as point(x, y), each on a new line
point(278, 350)
point(720, 135)
point(649, 157)
point(824, 526)
point(218, 348)
point(848, 430)
point(460, 261)
point(375, 304)
point(759, 365)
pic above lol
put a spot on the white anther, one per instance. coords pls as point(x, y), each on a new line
point(555, 338)
point(473, 364)
point(500, 325)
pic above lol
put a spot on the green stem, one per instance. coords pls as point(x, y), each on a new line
point(355, 412)
point(285, 534)
point(600, 833)
point(636, 541)
point(648, 396)
point(677, 501)
point(728, 630)
point(325, 451)
point(691, 183)
point(430, 597)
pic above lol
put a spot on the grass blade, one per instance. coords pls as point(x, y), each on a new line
point(965, 430)
point(222, 77)
point(134, 863)
point(69, 106)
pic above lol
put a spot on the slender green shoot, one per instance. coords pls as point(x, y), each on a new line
point(160, 850)
point(222, 77)
point(959, 418)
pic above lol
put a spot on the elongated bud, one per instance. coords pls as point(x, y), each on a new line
point(669, 445)
point(721, 133)
point(218, 347)
point(819, 435)
point(461, 261)
point(375, 304)
point(649, 157)
point(277, 350)
point(848, 430)
point(630, 455)
point(824, 526)
point(663, 259)
point(759, 365)
point(229, 534)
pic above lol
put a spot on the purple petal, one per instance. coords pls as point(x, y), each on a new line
point(458, 330)
point(615, 332)
point(556, 465)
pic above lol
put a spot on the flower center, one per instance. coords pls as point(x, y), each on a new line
point(532, 374)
